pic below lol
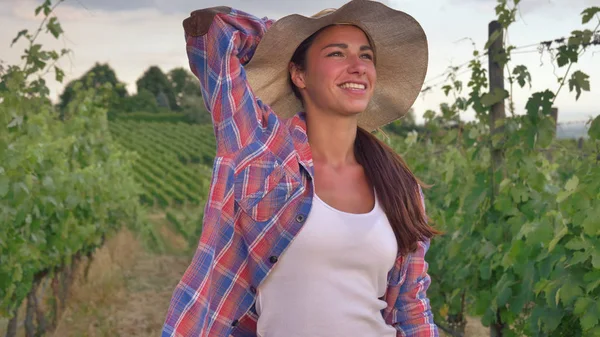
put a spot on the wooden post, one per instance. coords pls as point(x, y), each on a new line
point(11, 329)
point(497, 113)
point(496, 78)
point(554, 114)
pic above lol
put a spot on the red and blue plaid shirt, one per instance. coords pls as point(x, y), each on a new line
point(260, 195)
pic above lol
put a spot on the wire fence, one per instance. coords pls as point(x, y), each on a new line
point(538, 48)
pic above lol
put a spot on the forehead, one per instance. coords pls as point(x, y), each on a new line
point(348, 34)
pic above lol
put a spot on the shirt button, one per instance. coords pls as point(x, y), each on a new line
point(299, 218)
point(253, 290)
point(235, 322)
point(273, 259)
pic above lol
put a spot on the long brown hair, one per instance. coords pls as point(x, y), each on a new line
point(398, 190)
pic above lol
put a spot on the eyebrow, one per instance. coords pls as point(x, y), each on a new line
point(345, 46)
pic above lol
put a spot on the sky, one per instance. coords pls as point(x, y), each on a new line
point(133, 35)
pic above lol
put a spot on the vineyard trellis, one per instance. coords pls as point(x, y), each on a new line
point(522, 225)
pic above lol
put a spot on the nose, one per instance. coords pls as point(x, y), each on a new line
point(356, 65)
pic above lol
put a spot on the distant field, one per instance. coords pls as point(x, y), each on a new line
point(175, 159)
point(565, 131)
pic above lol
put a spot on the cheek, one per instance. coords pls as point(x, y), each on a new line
point(372, 74)
point(325, 72)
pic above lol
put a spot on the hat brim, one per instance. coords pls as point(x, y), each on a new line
point(401, 53)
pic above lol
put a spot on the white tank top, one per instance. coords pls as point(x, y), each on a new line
point(329, 280)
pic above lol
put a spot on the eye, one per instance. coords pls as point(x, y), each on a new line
point(335, 53)
point(367, 56)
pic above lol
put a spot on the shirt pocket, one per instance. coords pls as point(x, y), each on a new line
point(263, 187)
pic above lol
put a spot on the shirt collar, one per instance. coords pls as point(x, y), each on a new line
point(297, 129)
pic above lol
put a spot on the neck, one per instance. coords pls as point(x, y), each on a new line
point(331, 138)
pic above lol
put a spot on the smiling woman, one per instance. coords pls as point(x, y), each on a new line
point(335, 65)
point(313, 227)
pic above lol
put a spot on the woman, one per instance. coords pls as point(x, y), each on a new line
point(313, 227)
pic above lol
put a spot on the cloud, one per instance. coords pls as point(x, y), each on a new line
point(272, 8)
point(529, 6)
point(257, 7)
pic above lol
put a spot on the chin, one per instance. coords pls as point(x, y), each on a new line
point(355, 109)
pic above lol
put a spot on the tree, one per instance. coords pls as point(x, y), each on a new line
point(184, 84)
point(189, 96)
point(156, 82)
point(97, 76)
point(409, 118)
point(143, 101)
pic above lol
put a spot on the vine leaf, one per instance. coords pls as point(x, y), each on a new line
point(522, 75)
point(588, 14)
point(494, 97)
point(566, 55)
point(579, 81)
point(21, 33)
point(54, 27)
point(594, 131)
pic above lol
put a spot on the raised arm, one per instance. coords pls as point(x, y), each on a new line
point(220, 41)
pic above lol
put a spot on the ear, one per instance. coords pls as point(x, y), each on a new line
point(297, 76)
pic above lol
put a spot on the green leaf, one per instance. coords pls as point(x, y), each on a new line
point(596, 259)
point(591, 224)
point(18, 120)
point(588, 14)
point(21, 33)
point(54, 27)
point(582, 304)
point(589, 320)
point(483, 301)
point(566, 55)
point(557, 238)
point(578, 257)
point(592, 279)
point(577, 244)
point(579, 81)
point(545, 132)
point(4, 186)
point(495, 35)
point(485, 271)
point(538, 105)
point(594, 131)
point(60, 75)
point(504, 296)
point(569, 292)
point(579, 37)
point(47, 8)
point(572, 184)
point(494, 97)
point(523, 75)
point(447, 89)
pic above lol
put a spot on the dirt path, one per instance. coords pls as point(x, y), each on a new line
point(127, 292)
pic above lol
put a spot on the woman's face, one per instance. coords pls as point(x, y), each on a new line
point(339, 76)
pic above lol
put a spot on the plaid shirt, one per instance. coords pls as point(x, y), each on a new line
point(261, 193)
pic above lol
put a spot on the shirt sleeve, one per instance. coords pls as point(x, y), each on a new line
point(409, 310)
point(219, 42)
point(412, 315)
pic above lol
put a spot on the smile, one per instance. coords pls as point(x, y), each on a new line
point(353, 86)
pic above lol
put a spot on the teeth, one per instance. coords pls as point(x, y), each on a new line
point(352, 86)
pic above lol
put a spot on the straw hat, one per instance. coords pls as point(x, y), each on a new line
point(401, 54)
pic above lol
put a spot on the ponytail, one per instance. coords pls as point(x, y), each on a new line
point(398, 190)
